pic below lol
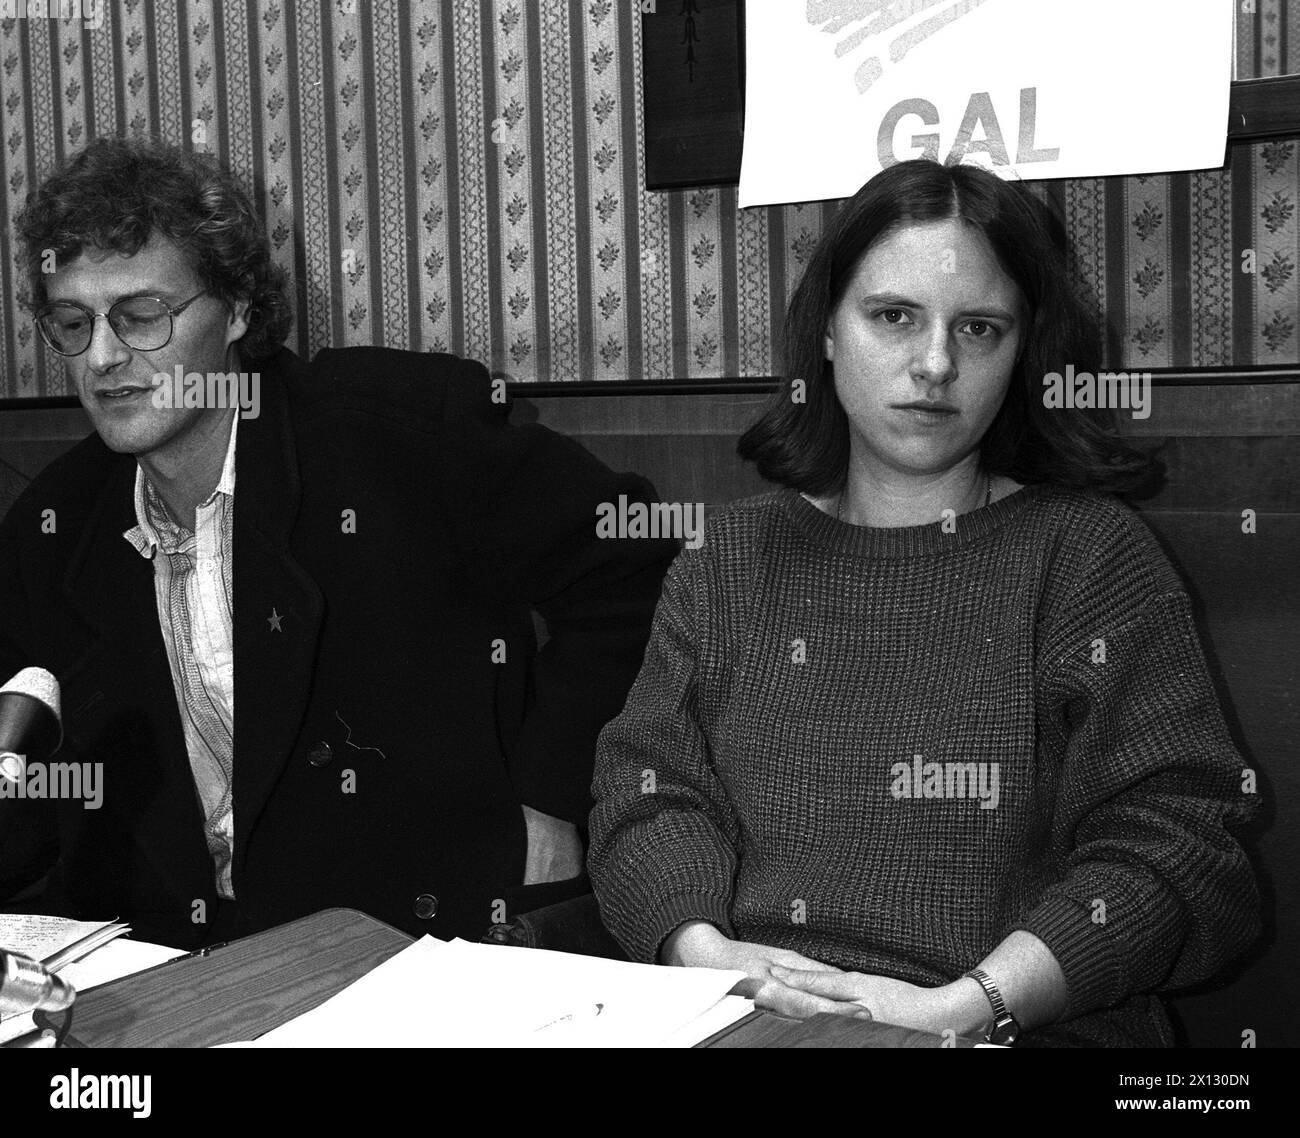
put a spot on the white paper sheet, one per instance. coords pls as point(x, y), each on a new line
point(724, 1013)
point(837, 89)
point(456, 994)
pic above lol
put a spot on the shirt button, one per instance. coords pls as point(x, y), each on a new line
point(207, 565)
point(426, 905)
point(320, 754)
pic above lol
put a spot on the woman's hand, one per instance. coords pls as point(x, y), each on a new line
point(698, 944)
point(960, 1007)
point(789, 984)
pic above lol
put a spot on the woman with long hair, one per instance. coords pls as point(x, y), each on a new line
point(926, 734)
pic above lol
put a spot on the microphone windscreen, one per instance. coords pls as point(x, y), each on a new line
point(39, 684)
point(29, 714)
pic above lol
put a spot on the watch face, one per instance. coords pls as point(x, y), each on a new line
point(1005, 1031)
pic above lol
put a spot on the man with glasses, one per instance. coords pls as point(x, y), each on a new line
point(142, 322)
point(401, 746)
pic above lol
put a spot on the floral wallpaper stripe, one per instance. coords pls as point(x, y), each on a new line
point(466, 175)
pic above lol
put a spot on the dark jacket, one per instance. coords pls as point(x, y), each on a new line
point(11, 485)
point(400, 530)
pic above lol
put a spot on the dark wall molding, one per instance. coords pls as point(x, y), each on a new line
point(761, 385)
point(755, 385)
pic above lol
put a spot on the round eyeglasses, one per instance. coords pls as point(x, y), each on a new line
point(141, 322)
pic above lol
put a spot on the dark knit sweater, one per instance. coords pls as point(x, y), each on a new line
point(764, 776)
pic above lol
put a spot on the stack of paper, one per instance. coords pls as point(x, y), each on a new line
point(55, 941)
point(457, 994)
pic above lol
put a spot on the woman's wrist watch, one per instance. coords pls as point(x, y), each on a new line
point(1005, 1030)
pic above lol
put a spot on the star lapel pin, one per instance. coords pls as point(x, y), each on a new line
point(274, 621)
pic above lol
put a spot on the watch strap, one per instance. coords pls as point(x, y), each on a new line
point(1005, 1029)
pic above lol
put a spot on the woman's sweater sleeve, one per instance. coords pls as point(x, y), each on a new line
point(1155, 892)
point(663, 835)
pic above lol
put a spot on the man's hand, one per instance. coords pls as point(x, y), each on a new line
point(554, 848)
point(698, 944)
point(955, 1007)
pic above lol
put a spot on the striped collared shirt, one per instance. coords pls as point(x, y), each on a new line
point(192, 585)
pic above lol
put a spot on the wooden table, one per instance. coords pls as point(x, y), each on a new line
point(762, 1029)
point(234, 991)
point(241, 990)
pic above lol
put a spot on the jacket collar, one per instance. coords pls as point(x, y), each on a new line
point(278, 606)
point(124, 672)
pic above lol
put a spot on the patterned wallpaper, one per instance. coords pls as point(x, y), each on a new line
point(465, 175)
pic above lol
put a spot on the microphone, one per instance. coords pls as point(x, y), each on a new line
point(30, 721)
point(30, 724)
point(27, 986)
